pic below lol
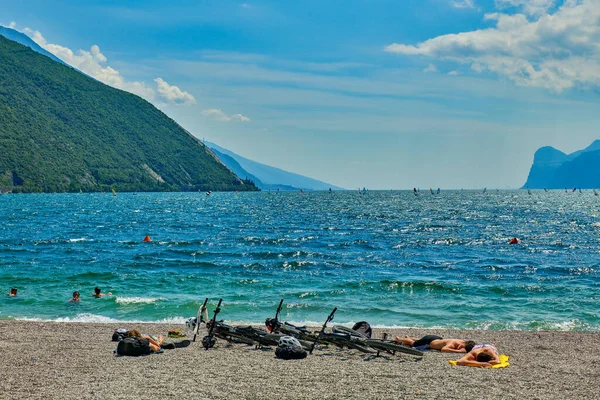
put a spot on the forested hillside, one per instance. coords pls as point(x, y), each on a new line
point(63, 131)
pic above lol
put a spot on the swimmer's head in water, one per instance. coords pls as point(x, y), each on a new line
point(97, 290)
point(13, 291)
point(469, 344)
point(75, 294)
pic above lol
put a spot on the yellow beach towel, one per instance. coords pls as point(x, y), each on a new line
point(503, 362)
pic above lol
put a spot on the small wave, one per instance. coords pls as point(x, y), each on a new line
point(248, 281)
point(86, 317)
point(137, 300)
point(264, 241)
point(93, 318)
point(402, 286)
point(77, 240)
point(171, 320)
point(296, 264)
point(296, 305)
point(272, 255)
point(574, 325)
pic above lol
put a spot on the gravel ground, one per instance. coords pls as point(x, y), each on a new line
point(48, 360)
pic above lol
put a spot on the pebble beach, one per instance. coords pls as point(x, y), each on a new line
point(52, 360)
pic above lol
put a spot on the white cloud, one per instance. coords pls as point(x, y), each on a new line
point(173, 94)
point(530, 7)
point(430, 68)
point(94, 64)
point(219, 115)
point(555, 51)
point(453, 73)
point(464, 4)
point(12, 25)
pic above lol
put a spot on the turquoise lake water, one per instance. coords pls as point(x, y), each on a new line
point(390, 258)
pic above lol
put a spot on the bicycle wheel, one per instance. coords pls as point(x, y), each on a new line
point(349, 331)
point(345, 340)
point(230, 334)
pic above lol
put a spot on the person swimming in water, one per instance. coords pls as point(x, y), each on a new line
point(434, 342)
point(13, 292)
point(75, 298)
point(481, 355)
point(97, 293)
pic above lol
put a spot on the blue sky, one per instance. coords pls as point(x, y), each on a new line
point(382, 94)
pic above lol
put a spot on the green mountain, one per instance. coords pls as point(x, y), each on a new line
point(61, 131)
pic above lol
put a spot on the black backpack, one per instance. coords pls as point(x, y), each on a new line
point(364, 328)
point(133, 346)
point(290, 353)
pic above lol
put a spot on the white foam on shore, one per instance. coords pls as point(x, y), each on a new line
point(172, 320)
point(566, 326)
point(137, 300)
point(93, 318)
point(86, 317)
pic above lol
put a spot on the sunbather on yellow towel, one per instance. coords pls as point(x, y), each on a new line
point(503, 362)
point(483, 355)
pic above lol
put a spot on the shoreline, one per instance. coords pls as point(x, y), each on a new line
point(180, 321)
point(60, 360)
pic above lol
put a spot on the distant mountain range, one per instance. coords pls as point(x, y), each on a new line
point(266, 177)
point(62, 131)
point(553, 169)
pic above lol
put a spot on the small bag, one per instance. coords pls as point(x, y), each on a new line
point(133, 346)
point(364, 328)
point(290, 353)
point(119, 334)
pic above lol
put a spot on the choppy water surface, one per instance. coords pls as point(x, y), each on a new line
point(390, 258)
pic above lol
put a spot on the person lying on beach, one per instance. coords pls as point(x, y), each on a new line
point(434, 342)
point(155, 345)
point(13, 292)
point(97, 293)
point(75, 298)
point(482, 355)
